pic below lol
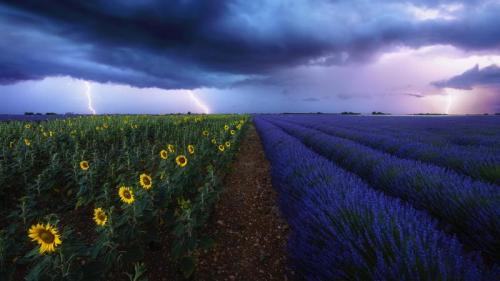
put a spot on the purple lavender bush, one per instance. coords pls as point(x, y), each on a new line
point(344, 230)
point(481, 164)
point(469, 208)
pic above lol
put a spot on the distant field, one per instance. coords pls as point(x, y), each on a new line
point(388, 198)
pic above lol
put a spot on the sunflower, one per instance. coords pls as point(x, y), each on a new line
point(145, 181)
point(84, 165)
point(105, 126)
point(214, 141)
point(171, 148)
point(46, 236)
point(221, 147)
point(27, 142)
point(226, 127)
point(191, 149)
point(27, 126)
point(232, 132)
point(181, 160)
point(163, 154)
point(126, 194)
point(238, 126)
point(228, 144)
point(205, 133)
point(100, 216)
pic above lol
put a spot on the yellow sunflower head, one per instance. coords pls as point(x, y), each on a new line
point(191, 149)
point(238, 126)
point(221, 147)
point(232, 132)
point(100, 216)
point(163, 154)
point(126, 194)
point(226, 127)
point(145, 181)
point(46, 236)
point(27, 142)
point(205, 133)
point(181, 160)
point(214, 141)
point(228, 144)
point(84, 165)
point(27, 126)
point(171, 148)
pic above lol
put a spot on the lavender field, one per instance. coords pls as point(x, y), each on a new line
point(388, 198)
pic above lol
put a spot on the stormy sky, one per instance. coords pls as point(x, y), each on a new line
point(154, 56)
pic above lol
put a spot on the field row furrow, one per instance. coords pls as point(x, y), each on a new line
point(342, 229)
point(475, 134)
point(479, 165)
point(469, 208)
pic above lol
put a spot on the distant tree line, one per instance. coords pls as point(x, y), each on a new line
point(46, 113)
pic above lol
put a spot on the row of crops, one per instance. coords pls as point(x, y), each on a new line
point(481, 163)
point(363, 207)
point(89, 198)
point(464, 131)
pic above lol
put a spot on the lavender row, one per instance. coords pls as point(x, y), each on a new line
point(470, 132)
point(469, 208)
point(479, 165)
point(344, 230)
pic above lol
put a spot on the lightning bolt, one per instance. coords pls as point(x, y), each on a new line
point(89, 98)
point(199, 103)
point(449, 101)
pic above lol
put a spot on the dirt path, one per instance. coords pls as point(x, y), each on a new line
point(249, 234)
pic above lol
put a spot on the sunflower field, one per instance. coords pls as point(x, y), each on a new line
point(87, 198)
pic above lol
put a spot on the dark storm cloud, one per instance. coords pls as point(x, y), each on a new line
point(487, 76)
point(189, 44)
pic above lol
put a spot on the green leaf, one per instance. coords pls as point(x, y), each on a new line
point(35, 273)
point(187, 265)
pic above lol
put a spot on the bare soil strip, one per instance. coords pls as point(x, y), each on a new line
point(250, 236)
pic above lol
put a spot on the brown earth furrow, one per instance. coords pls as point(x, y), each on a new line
point(250, 236)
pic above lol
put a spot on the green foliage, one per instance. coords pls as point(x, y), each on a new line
point(43, 179)
point(139, 273)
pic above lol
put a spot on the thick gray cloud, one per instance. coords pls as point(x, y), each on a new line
point(487, 76)
point(191, 44)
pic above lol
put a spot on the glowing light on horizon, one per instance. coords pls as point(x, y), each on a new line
point(199, 103)
point(89, 98)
